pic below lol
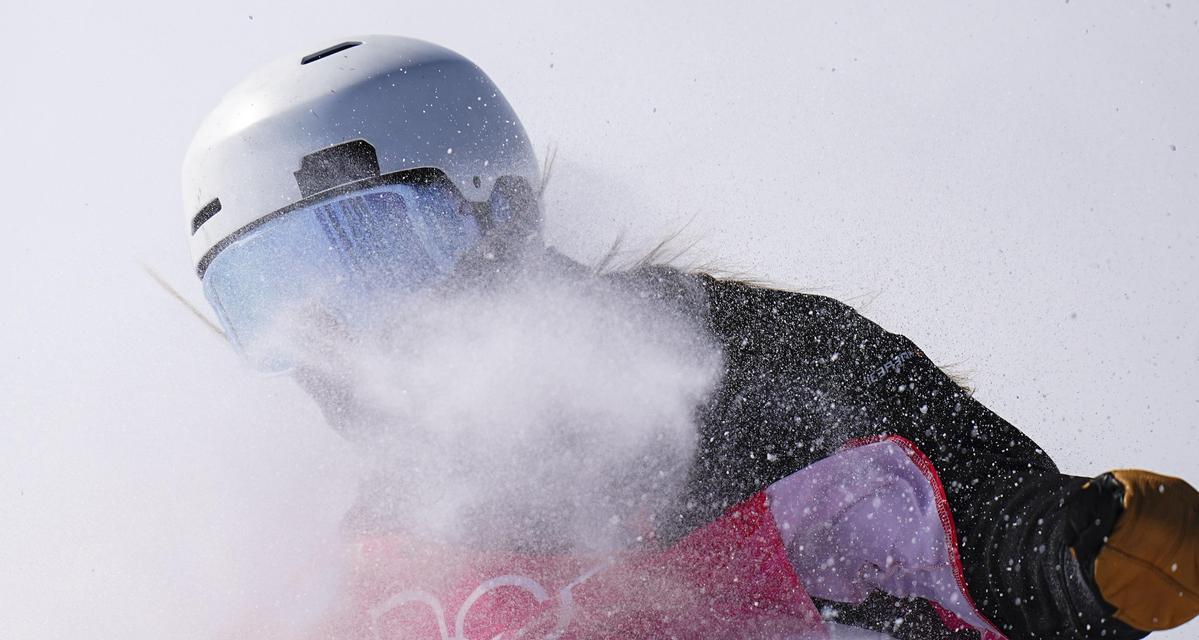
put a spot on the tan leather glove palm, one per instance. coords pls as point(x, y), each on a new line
point(1149, 567)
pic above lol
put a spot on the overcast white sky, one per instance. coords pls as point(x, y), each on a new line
point(1012, 185)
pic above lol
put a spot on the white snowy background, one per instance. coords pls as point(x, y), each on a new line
point(1012, 185)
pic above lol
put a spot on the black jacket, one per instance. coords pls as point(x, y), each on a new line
point(805, 374)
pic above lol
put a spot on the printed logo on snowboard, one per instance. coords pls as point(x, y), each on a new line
point(560, 616)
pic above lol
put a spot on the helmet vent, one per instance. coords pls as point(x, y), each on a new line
point(325, 53)
point(340, 164)
point(209, 210)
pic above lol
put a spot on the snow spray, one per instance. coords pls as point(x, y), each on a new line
point(550, 410)
point(544, 410)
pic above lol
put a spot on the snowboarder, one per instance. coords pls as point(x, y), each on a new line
point(838, 474)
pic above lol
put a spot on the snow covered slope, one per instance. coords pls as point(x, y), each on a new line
point(1013, 187)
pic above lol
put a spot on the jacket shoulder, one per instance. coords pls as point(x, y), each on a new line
point(737, 306)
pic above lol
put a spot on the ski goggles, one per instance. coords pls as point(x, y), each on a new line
point(326, 265)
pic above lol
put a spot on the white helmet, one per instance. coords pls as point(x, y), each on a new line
point(381, 160)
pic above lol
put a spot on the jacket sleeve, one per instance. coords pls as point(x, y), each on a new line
point(810, 374)
point(809, 369)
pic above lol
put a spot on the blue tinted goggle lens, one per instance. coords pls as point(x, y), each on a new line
point(338, 256)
